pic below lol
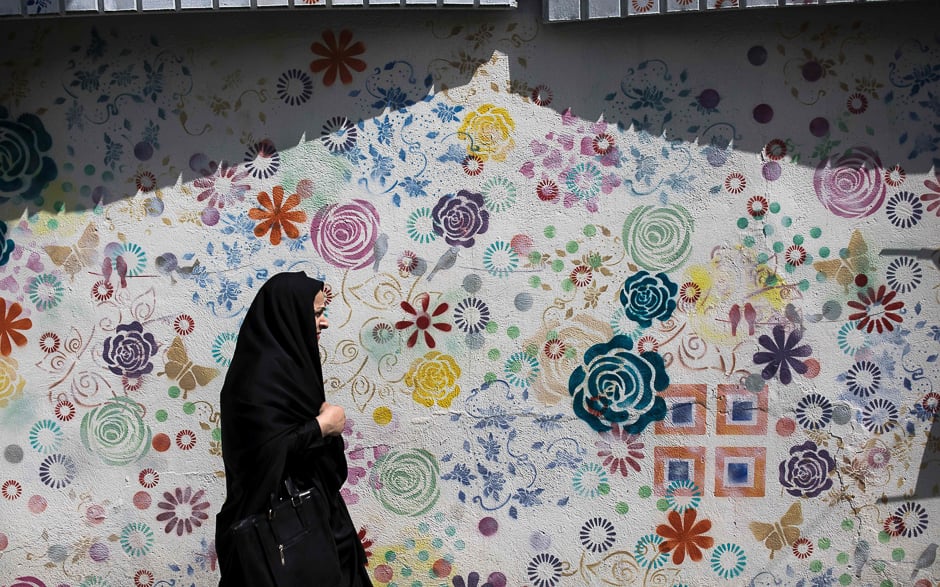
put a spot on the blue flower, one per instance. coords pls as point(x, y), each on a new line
point(528, 498)
point(415, 187)
point(782, 354)
point(646, 297)
point(382, 167)
point(228, 293)
point(384, 129)
point(617, 386)
point(490, 447)
point(493, 481)
point(446, 113)
point(461, 473)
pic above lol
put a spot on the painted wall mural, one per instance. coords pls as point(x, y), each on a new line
point(611, 304)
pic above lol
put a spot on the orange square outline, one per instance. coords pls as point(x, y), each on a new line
point(661, 453)
point(758, 453)
point(699, 393)
point(722, 426)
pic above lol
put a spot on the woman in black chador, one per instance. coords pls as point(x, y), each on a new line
point(276, 423)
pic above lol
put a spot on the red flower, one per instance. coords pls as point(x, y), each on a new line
point(554, 349)
point(857, 103)
point(757, 206)
point(620, 450)
point(184, 324)
point(366, 542)
point(876, 309)
point(473, 165)
point(803, 548)
point(603, 143)
point(795, 255)
point(934, 197)
point(735, 182)
point(690, 292)
point(542, 95)
point(422, 320)
point(776, 150)
point(582, 276)
point(683, 535)
point(647, 344)
point(547, 190)
point(185, 439)
point(49, 342)
point(338, 57)
point(277, 215)
point(10, 326)
point(64, 410)
point(895, 176)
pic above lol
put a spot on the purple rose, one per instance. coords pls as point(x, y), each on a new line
point(344, 234)
point(128, 352)
point(851, 186)
point(461, 217)
point(806, 472)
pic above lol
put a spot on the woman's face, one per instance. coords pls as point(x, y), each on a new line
point(319, 317)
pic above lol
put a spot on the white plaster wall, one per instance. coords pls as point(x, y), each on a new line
point(663, 202)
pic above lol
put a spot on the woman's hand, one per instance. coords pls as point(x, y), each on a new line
point(332, 419)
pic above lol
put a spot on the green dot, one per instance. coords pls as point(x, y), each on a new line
point(589, 230)
point(439, 516)
point(762, 258)
point(570, 353)
point(450, 530)
point(189, 408)
point(789, 268)
point(216, 434)
point(845, 579)
point(423, 555)
point(85, 191)
point(173, 392)
point(89, 169)
point(67, 186)
point(437, 543)
point(824, 544)
point(423, 527)
point(884, 537)
point(778, 247)
point(798, 239)
point(886, 583)
point(459, 544)
point(567, 285)
point(662, 505)
point(532, 350)
point(107, 176)
point(768, 229)
point(493, 354)
point(815, 566)
point(52, 224)
point(603, 488)
point(824, 252)
point(406, 571)
point(69, 167)
point(742, 222)
point(803, 285)
point(897, 554)
point(786, 221)
point(820, 277)
point(491, 327)
point(847, 524)
point(558, 265)
point(770, 280)
point(815, 232)
point(161, 415)
point(842, 558)
point(390, 556)
point(549, 231)
point(490, 377)
point(572, 247)
point(748, 241)
point(645, 491)
point(535, 281)
point(512, 332)
point(622, 507)
point(774, 207)
point(58, 206)
point(843, 253)
point(535, 257)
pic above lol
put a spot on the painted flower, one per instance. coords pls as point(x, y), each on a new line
point(683, 535)
point(423, 319)
point(222, 185)
point(339, 134)
point(128, 352)
point(904, 274)
point(620, 450)
point(10, 326)
point(433, 379)
point(488, 131)
point(863, 378)
point(880, 415)
point(814, 411)
point(782, 354)
point(807, 472)
point(544, 570)
point(904, 209)
point(932, 198)
point(338, 57)
point(851, 185)
point(647, 553)
point(876, 309)
point(183, 510)
point(597, 535)
point(757, 206)
point(25, 171)
point(6, 245)
point(277, 215)
point(617, 386)
point(11, 382)
point(547, 190)
point(344, 234)
point(262, 159)
point(294, 87)
point(460, 218)
point(647, 297)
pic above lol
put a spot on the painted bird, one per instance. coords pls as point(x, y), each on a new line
point(862, 550)
point(379, 248)
point(926, 559)
point(446, 261)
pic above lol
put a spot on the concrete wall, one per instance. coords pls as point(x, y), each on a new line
point(610, 302)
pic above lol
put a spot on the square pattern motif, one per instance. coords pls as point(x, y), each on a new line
point(741, 412)
point(677, 463)
point(686, 415)
point(740, 471)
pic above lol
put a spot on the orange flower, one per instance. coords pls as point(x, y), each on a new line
point(683, 535)
point(9, 325)
point(338, 58)
point(277, 215)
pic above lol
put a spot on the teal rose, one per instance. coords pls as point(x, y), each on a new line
point(25, 170)
point(618, 386)
point(647, 297)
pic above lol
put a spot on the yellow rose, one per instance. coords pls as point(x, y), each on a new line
point(488, 130)
point(433, 378)
point(11, 384)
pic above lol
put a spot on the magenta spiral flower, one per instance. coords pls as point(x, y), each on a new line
point(344, 234)
point(851, 185)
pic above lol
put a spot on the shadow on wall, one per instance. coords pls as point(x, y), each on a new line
point(803, 86)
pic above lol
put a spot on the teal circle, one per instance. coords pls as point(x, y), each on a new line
point(549, 231)
point(161, 415)
point(762, 258)
point(768, 229)
point(390, 556)
point(775, 207)
point(67, 186)
point(85, 191)
point(843, 253)
point(460, 544)
point(789, 268)
point(798, 239)
point(423, 527)
point(820, 277)
point(742, 222)
point(450, 530)
point(423, 555)
point(589, 230)
point(748, 241)
point(803, 285)
point(107, 176)
point(778, 247)
point(815, 232)
point(437, 543)
point(823, 252)
point(786, 221)
point(406, 571)
point(558, 265)
point(770, 280)
point(572, 247)
point(89, 169)
point(52, 223)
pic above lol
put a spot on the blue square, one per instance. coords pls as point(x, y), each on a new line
point(742, 411)
point(738, 473)
point(682, 414)
point(678, 471)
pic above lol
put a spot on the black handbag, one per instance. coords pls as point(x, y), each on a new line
point(291, 544)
